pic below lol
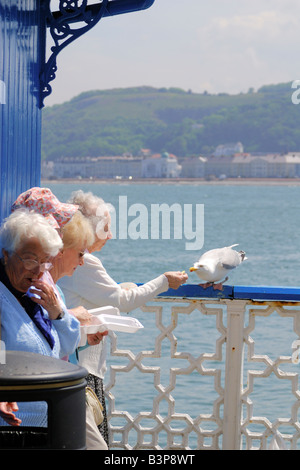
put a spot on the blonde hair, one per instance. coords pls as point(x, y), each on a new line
point(77, 231)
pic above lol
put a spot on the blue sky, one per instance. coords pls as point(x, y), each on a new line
point(216, 45)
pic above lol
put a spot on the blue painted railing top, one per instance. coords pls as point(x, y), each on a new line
point(275, 293)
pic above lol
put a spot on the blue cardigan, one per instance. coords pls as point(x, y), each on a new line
point(19, 333)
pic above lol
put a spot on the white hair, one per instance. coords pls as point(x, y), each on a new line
point(94, 208)
point(24, 224)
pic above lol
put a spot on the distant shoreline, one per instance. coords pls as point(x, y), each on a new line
point(190, 181)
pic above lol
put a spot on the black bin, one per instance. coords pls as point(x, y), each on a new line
point(32, 377)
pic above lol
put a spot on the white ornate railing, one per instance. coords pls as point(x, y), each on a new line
point(214, 372)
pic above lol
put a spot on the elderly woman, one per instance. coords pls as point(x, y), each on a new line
point(91, 286)
point(76, 233)
point(74, 229)
point(39, 324)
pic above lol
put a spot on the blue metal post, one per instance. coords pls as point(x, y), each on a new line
point(21, 30)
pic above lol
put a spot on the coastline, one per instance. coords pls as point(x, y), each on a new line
point(187, 181)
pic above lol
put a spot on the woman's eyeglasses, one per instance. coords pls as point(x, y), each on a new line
point(32, 264)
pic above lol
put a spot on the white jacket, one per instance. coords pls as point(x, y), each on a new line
point(91, 287)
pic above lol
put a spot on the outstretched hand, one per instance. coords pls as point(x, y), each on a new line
point(176, 278)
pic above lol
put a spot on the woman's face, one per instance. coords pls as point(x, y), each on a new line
point(105, 236)
point(20, 276)
point(69, 259)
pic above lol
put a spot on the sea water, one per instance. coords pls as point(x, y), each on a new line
point(264, 221)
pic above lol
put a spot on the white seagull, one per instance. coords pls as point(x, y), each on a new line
point(215, 264)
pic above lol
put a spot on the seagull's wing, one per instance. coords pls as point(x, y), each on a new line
point(229, 258)
point(229, 266)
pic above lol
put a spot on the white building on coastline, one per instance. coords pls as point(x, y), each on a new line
point(239, 165)
point(163, 165)
point(229, 149)
point(254, 166)
point(193, 167)
point(154, 166)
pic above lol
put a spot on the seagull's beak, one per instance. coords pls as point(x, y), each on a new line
point(193, 269)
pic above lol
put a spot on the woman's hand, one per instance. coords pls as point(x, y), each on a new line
point(82, 315)
point(47, 298)
point(6, 412)
point(96, 338)
point(176, 278)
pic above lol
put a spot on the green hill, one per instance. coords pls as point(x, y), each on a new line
point(112, 122)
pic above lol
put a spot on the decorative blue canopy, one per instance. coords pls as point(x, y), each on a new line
point(25, 75)
point(86, 16)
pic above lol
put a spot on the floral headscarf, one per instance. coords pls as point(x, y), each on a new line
point(43, 201)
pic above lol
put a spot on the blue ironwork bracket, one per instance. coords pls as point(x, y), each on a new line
point(77, 11)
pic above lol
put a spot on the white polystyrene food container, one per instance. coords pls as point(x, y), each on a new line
point(113, 322)
point(103, 319)
point(108, 310)
point(95, 325)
